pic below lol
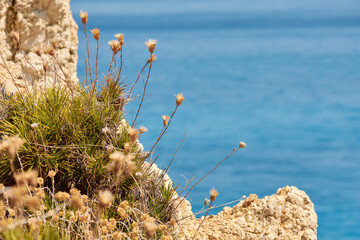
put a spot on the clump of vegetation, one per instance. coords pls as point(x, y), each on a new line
point(72, 164)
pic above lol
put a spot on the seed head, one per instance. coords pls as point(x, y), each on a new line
point(37, 51)
point(33, 202)
point(213, 195)
point(96, 33)
point(117, 163)
point(151, 44)
point(206, 201)
point(130, 166)
point(172, 222)
point(52, 174)
point(50, 50)
point(150, 229)
point(122, 212)
point(11, 145)
point(133, 134)
point(84, 17)
point(46, 66)
point(76, 201)
point(34, 126)
point(105, 130)
point(115, 46)
point(61, 196)
point(54, 43)
point(26, 178)
point(242, 145)
point(40, 181)
point(127, 148)
point(143, 129)
point(105, 199)
point(15, 35)
point(152, 58)
point(165, 120)
point(120, 38)
point(179, 99)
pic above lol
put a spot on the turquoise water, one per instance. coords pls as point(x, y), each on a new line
point(284, 78)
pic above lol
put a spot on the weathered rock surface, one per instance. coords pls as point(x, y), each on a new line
point(38, 22)
point(288, 214)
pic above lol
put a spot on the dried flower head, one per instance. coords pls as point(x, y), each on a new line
point(172, 222)
point(37, 51)
point(120, 38)
point(46, 66)
point(151, 44)
point(96, 33)
point(15, 35)
point(76, 201)
point(213, 195)
point(84, 17)
point(34, 125)
point(26, 178)
point(143, 129)
point(33, 202)
point(127, 148)
point(61, 196)
point(133, 134)
point(11, 145)
point(206, 202)
point(242, 145)
point(105, 199)
point(152, 58)
point(105, 130)
point(124, 204)
point(150, 229)
point(122, 212)
point(17, 194)
point(115, 46)
point(130, 166)
point(50, 50)
point(165, 119)
point(40, 181)
point(54, 43)
point(179, 99)
point(117, 162)
point(52, 174)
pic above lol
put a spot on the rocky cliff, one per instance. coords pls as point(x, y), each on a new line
point(41, 24)
point(288, 214)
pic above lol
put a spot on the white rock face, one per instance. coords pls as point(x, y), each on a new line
point(288, 214)
point(38, 22)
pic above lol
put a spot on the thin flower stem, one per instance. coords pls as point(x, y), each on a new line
point(88, 52)
point(143, 96)
point(232, 152)
point(96, 66)
point(202, 221)
point(137, 79)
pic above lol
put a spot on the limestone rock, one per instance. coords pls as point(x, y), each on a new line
point(288, 214)
point(39, 22)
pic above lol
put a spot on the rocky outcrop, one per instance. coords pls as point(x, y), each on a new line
point(39, 23)
point(288, 214)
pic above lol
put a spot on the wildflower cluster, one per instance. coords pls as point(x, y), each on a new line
point(72, 166)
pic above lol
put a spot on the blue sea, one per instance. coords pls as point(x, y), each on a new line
point(282, 76)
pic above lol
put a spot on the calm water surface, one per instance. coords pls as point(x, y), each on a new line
point(287, 85)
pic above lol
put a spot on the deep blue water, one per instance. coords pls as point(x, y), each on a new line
point(283, 77)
